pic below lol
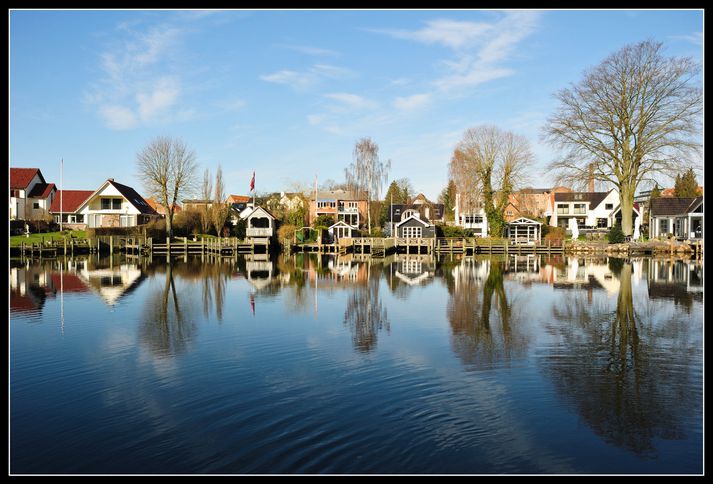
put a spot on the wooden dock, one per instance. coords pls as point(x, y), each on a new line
point(379, 247)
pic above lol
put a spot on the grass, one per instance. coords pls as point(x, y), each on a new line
point(37, 238)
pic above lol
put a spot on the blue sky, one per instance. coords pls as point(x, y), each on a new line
point(288, 93)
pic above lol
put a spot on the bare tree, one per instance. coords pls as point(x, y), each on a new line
point(367, 172)
point(219, 209)
point(167, 168)
point(488, 164)
point(206, 194)
point(633, 117)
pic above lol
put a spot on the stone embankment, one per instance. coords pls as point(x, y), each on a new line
point(655, 248)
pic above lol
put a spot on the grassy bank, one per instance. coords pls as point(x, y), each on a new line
point(16, 240)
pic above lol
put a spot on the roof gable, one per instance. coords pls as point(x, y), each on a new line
point(258, 208)
point(524, 221)
point(413, 217)
point(73, 199)
point(21, 177)
point(41, 190)
point(671, 206)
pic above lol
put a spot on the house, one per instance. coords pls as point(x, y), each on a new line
point(160, 209)
point(682, 217)
point(421, 207)
point(531, 202)
point(471, 215)
point(260, 224)
point(66, 207)
point(349, 207)
point(237, 204)
point(415, 227)
point(595, 210)
point(115, 205)
point(523, 231)
point(341, 230)
point(30, 195)
point(196, 205)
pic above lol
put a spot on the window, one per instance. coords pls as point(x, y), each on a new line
point(36, 205)
point(579, 208)
point(412, 232)
point(126, 220)
point(15, 193)
point(111, 203)
point(601, 223)
point(562, 209)
point(472, 219)
point(609, 206)
point(116, 203)
point(106, 203)
point(663, 226)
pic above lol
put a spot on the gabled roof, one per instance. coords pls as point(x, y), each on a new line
point(249, 213)
point(341, 223)
point(41, 190)
point(21, 177)
point(73, 199)
point(133, 197)
point(237, 199)
point(524, 221)
point(673, 206)
point(594, 198)
point(425, 223)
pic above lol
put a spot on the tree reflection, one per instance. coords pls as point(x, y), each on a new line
point(167, 326)
point(617, 371)
point(365, 313)
point(481, 337)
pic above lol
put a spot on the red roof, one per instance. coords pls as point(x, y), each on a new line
point(238, 199)
point(73, 199)
point(41, 190)
point(160, 208)
point(21, 177)
point(68, 282)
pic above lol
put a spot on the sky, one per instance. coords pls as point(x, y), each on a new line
point(287, 94)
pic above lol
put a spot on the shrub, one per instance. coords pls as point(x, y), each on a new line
point(452, 231)
point(615, 235)
point(376, 232)
point(286, 231)
point(555, 234)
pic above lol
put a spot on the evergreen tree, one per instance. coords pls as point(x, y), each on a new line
point(655, 193)
point(448, 199)
point(686, 185)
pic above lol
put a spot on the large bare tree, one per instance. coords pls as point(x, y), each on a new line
point(633, 117)
point(487, 165)
point(167, 167)
point(219, 209)
point(367, 173)
point(206, 194)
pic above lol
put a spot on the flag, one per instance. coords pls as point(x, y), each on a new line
point(252, 182)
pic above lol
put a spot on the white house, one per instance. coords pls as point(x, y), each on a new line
point(682, 217)
point(261, 224)
point(597, 210)
point(30, 195)
point(471, 218)
point(115, 205)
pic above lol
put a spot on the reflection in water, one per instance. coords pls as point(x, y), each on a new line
point(630, 379)
point(365, 314)
point(167, 325)
point(483, 338)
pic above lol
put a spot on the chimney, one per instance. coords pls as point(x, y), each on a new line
point(590, 180)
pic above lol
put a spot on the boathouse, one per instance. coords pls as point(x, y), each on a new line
point(523, 231)
point(414, 227)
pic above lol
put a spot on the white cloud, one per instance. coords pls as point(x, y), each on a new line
point(314, 51)
point(412, 102)
point(479, 49)
point(303, 80)
point(696, 38)
point(451, 33)
point(352, 101)
point(118, 117)
point(140, 82)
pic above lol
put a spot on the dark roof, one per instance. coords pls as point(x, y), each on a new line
point(594, 198)
point(134, 198)
point(73, 199)
point(533, 190)
point(21, 177)
point(672, 206)
point(41, 190)
point(396, 210)
point(338, 195)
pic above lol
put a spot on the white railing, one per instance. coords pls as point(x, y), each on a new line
point(254, 232)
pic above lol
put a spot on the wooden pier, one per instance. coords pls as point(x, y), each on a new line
point(379, 247)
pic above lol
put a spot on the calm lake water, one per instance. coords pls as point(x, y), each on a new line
point(311, 364)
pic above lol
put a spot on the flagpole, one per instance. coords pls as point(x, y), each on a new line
point(253, 189)
point(61, 188)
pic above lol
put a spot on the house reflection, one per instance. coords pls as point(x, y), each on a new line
point(32, 283)
point(111, 281)
point(676, 280)
point(609, 364)
point(414, 269)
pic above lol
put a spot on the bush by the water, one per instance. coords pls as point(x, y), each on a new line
point(452, 231)
point(615, 235)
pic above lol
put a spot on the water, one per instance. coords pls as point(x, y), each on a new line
point(323, 365)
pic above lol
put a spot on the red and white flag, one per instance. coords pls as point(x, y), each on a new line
point(252, 182)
